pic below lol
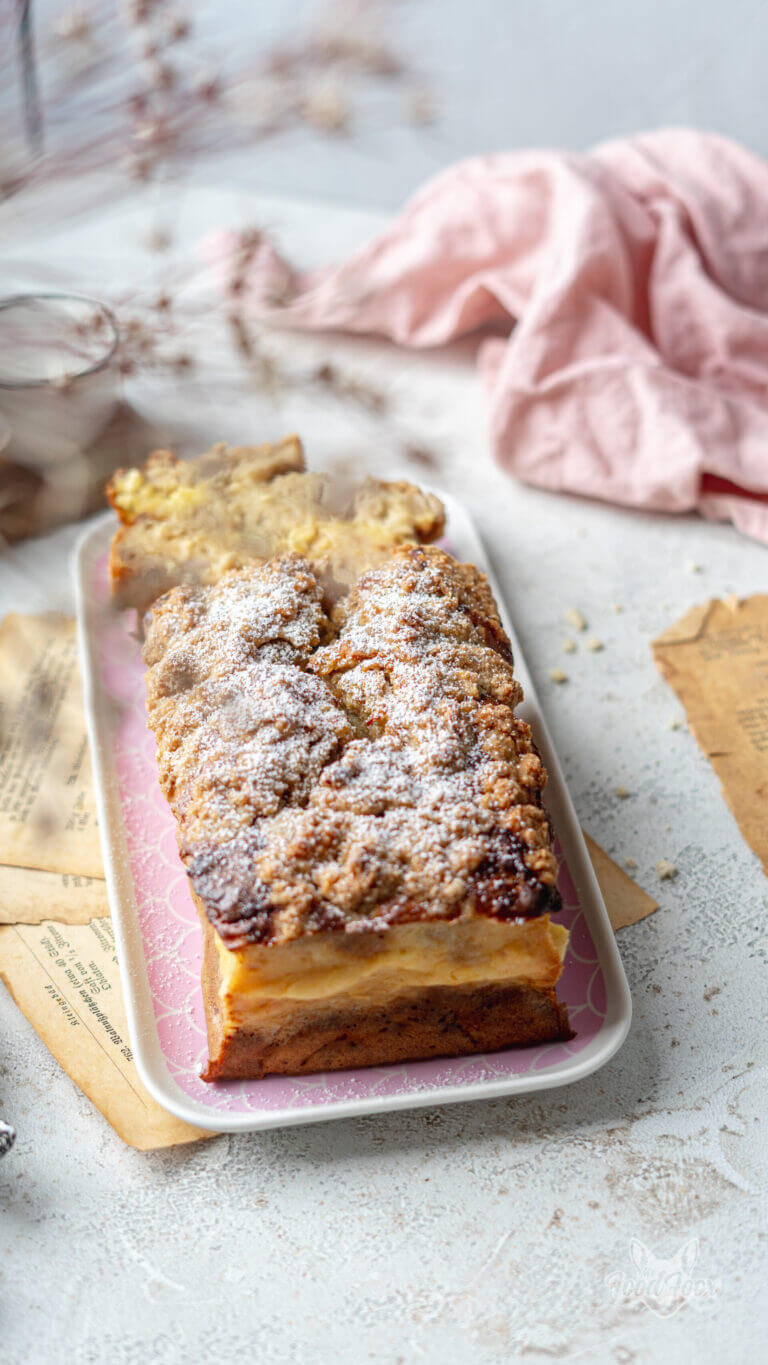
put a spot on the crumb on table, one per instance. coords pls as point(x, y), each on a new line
point(575, 618)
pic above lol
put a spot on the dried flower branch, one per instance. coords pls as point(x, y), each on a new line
point(142, 93)
point(326, 106)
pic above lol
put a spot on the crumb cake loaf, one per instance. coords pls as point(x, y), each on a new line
point(191, 521)
point(360, 814)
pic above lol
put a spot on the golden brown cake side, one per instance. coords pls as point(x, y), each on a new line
point(191, 521)
point(339, 780)
point(345, 1032)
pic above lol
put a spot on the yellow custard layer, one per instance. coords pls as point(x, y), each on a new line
point(374, 968)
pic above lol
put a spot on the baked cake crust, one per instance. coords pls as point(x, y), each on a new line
point(189, 521)
point(347, 774)
point(375, 778)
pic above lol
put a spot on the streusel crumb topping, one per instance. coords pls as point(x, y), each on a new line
point(348, 772)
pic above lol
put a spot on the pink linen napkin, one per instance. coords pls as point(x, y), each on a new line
point(632, 285)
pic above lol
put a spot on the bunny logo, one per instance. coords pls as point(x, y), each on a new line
point(662, 1284)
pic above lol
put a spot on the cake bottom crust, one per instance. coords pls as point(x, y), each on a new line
point(435, 1021)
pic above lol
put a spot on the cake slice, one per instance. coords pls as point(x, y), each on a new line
point(360, 814)
point(191, 521)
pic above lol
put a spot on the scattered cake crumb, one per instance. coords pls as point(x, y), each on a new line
point(569, 646)
point(630, 862)
point(674, 724)
point(617, 607)
point(594, 644)
point(666, 870)
point(692, 567)
point(558, 676)
point(574, 618)
point(622, 792)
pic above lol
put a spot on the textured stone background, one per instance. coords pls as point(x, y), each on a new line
point(494, 1231)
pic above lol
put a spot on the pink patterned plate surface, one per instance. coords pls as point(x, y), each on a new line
point(149, 893)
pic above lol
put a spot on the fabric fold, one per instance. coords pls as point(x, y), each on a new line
point(631, 289)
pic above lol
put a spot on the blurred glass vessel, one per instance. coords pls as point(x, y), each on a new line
point(58, 385)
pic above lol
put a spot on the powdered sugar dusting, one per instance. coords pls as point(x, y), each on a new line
point(378, 777)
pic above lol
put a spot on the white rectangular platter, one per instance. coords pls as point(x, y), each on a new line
point(157, 932)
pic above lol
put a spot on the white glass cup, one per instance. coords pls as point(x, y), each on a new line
point(58, 380)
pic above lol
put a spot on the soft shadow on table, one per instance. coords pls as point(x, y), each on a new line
point(33, 501)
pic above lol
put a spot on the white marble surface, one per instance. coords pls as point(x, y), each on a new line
point(480, 1233)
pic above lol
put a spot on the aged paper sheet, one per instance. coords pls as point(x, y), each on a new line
point(28, 896)
point(65, 979)
point(625, 902)
point(47, 812)
point(716, 659)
